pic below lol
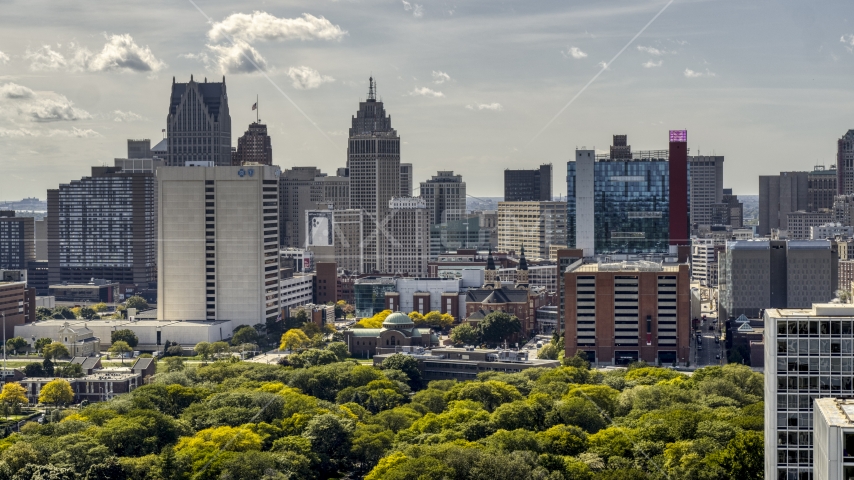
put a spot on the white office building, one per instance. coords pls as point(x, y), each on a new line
point(809, 354)
point(296, 290)
point(219, 254)
point(704, 265)
point(833, 449)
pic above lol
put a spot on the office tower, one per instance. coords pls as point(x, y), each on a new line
point(528, 185)
point(349, 236)
point(536, 226)
point(198, 127)
point(680, 232)
point(325, 282)
point(704, 262)
point(758, 274)
point(445, 195)
point(139, 148)
point(618, 205)
point(405, 179)
point(565, 258)
point(821, 187)
point(621, 150)
point(808, 356)
point(104, 226)
point(295, 189)
point(705, 188)
point(373, 160)
point(14, 301)
point(843, 210)
point(331, 192)
point(833, 439)
point(779, 195)
point(40, 235)
point(406, 238)
point(729, 211)
point(219, 254)
point(38, 277)
point(17, 241)
point(619, 313)
point(845, 164)
point(254, 146)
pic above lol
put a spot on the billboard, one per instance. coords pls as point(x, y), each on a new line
point(319, 228)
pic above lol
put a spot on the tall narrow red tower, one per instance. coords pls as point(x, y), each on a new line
point(678, 168)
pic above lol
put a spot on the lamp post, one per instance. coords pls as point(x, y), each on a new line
point(4, 346)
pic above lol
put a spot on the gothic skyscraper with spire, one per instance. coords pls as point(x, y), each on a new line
point(198, 126)
point(373, 159)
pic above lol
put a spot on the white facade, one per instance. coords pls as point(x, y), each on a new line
point(407, 287)
point(295, 291)
point(830, 231)
point(833, 446)
point(808, 355)
point(405, 237)
point(584, 218)
point(219, 253)
point(703, 264)
point(538, 276)
point(533, 225)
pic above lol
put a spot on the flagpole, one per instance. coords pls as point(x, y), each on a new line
point(257, 109)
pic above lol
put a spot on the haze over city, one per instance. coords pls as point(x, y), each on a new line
point(468, 85)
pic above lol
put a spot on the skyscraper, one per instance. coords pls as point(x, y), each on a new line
point(705, 188)
point(17, 241)
point(780, 195)
point(680, 233)
point(104, 226)
point(407, 243)
point(220, 246)
point(198, 126)
point(405, 179)
point(254, 146)
point(528, 185)
point(535, 226)
point(445, 195)
point(822, 187)
point(373, 159)
point(845, 164)
point(295, 189)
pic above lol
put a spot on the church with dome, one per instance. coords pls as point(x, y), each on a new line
point(397, 331)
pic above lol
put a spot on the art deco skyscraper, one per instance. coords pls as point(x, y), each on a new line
point(845, 164)
point(198, 126)
point(254, 146)
point(373, 157)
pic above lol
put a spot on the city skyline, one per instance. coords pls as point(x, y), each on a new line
point(486, 78)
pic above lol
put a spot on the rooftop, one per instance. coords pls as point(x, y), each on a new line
point(837, 412)
point(817, 310)
point(625, 266)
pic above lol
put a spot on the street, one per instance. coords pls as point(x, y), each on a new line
point(705, 356)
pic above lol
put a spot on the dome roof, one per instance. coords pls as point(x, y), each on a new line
point(398, 320)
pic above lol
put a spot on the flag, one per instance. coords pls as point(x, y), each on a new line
point(164, 130)
point(255, 106)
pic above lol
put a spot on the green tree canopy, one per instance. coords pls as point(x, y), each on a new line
point(136, 302)
point(55, 350)
point(498, 326)
point(125, 335)
point(464, 334)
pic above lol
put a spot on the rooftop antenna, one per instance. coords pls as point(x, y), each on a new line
point(372, 92)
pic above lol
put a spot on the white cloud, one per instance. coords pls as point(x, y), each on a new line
point(692, 74)
point(74, 132)
point(574, 52)
point(120, 116)
point(38, 106)
point(603, 64)
point(263, 26)
point(495, 107)
point(17, 132)
point(440, 77)
point(416, 9)
point(848, 40)
point(651, 64)
point(426, 92)
point(3, 58)
point(306, 78)
point(652, 50)
point(119, 54)
point(239, 57)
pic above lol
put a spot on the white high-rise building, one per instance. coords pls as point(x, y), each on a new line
point(536, 226)
point(809, 354)
point(583, 216)
point(833, 450)
point(445, 195)
point(219, 252)
point(407, 238)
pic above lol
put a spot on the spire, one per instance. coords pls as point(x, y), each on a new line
point(372, 90)
point(490, 263)
point(191, 77)
point(523, 264)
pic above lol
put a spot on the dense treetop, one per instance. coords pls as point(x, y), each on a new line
point(238, 420)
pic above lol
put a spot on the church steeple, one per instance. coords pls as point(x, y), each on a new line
point(522, 271)
point(490, 275)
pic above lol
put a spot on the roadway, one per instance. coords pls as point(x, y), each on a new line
point(712, 353)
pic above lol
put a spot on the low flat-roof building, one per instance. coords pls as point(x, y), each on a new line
point(465, 363)
point(398, 330)
point(833, 439)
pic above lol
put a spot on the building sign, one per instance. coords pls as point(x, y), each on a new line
point(319, 228)
point(679, 136)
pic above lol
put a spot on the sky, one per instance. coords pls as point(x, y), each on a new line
point(472, 86)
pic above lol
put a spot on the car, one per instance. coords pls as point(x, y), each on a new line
point(718, 356)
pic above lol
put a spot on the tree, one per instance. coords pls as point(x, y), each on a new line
point(41, 343)
point(109, 469)
point(56, 392)
point(331, 438)
point(743, 457)
point(498, 326)
point(244, 334)
point(373, 322)
point(88, 313)
point(100, 307)
point(438, 320)
point(68, 370)
point(120, 348)
point(47, 367)
point(13, 395)
point(44, 472)
point(339, 308)
point(34, 370)
point(136, 302)
point(174, 364)
point(127, 336)
point(176, 350)
point(548, 352)
point(43, 313)
point(203, 349)
point(406, 364)
point(63, 313)
point(294, 340)
point(417, 319)
point(310, 328)
point(579, 360)
point(339, 349)
point(16, 345)
point(55, 350)
point(464, 334)
point(218, 348)
point(311, 358)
